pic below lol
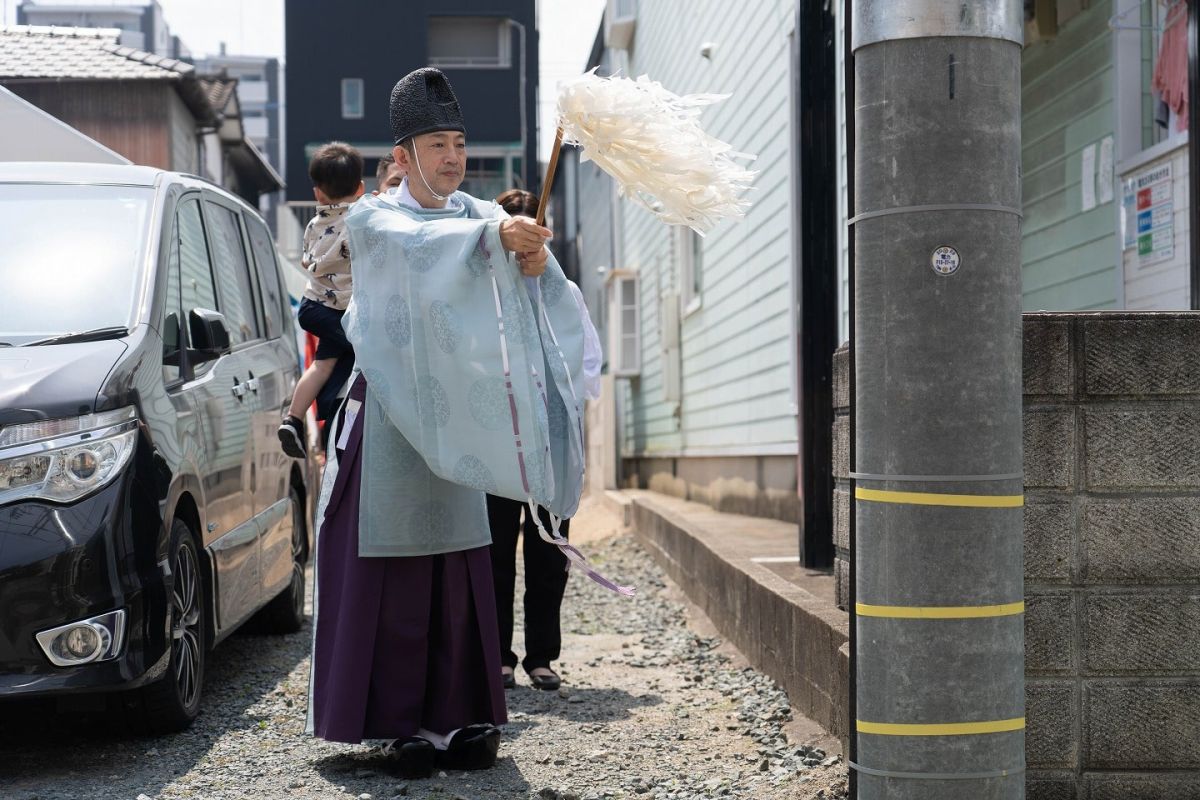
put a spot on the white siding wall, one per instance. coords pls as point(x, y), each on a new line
point(182, 133)
point(843, 234)
point(1068, 254)
point(736, 348)
point(595, 237)
point(1162, 286)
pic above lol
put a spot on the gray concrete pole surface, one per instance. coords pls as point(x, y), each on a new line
point(938, 551)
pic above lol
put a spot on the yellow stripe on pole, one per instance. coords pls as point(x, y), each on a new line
point(932, 499)
point(939, 612)
point(942, 729)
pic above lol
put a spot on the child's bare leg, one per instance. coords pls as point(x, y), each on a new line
point(310, 385)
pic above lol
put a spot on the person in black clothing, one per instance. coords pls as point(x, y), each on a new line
point(545, 582)
point(545, 564)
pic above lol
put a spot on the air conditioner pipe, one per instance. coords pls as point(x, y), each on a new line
point(939, 666)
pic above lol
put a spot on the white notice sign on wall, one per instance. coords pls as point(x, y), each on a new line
point(1104, 171)
point(1087, 180)
point(1155, 215)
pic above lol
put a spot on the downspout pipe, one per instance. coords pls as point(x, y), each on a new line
point(939, 596)
point(1193, 112)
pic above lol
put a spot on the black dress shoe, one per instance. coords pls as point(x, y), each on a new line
point(472, 747)
point(548, 683)
point(412, 757)
point(510, 680)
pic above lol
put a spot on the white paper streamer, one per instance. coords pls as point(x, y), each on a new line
point(650, 141)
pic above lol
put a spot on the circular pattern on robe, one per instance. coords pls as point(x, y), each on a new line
point(487, 400)
point(558, 420)
point(535, 474)
point(405, 457)
point(518, 327)
point(447, 326)
point(470, 471)
point(357, 320)
point(554, 286)
point(478, 262)
point(375, 242)
point(379, 384)
point(422, 250)
point(433, 406)
point(430, 523)
point(397, 322)
point(539, 409)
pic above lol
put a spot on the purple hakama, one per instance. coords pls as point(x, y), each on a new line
point(400, 643)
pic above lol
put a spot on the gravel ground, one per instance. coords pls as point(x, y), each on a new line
point(653, 706)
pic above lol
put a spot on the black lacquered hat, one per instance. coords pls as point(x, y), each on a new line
point(423, 102)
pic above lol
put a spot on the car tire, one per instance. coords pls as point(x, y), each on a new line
point(285, 613)
point(171, 703)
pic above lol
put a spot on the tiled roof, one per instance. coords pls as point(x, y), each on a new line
point(218, 89)
point(32, 51)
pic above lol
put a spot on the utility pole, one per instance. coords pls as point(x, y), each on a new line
point(939, 599)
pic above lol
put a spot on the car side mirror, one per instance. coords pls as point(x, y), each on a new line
point(170, 336)
point(210, 337)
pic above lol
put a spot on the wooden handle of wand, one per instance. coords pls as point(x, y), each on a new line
point(549, 183)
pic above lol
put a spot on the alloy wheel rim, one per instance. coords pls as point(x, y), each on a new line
point(185, 627)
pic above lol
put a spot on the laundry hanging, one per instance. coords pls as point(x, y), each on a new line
point(1170, 80)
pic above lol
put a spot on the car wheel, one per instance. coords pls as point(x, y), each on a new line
point(285, 613)
point(172, 702)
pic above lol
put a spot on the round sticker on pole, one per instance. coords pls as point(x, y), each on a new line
point(945, 260)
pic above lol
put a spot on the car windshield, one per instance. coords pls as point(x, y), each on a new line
point(70, 259)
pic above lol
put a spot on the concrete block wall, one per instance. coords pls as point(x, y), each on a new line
point(841, 474)
point(1112, 553)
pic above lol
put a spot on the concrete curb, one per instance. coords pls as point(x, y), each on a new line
point(797, 638)
point(620, 504)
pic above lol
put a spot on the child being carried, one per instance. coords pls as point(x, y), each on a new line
point(336, 171)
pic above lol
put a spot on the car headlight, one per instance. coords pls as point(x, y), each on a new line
point(62, 460)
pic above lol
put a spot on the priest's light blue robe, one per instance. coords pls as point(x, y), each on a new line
point(469, 383)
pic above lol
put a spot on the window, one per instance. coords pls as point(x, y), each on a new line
point(626, 326)
point(620, 20)
point(669, 340)
point(88, 278)
point(352, 98)
point(689, 254)
point(268, 276)
point(196, 281)
point(233, 274)
point(172, 319)
point(485, 177)
point(483, 42)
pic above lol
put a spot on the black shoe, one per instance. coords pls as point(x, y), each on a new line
point(472, 747)
point(291, 436)
point(547, 683)
point(510, 680)
point(412, 757)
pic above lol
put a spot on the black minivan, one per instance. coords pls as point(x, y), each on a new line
point(146, 509)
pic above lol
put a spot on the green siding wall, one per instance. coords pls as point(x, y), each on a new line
point(1069, 256)
point(736, 350)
